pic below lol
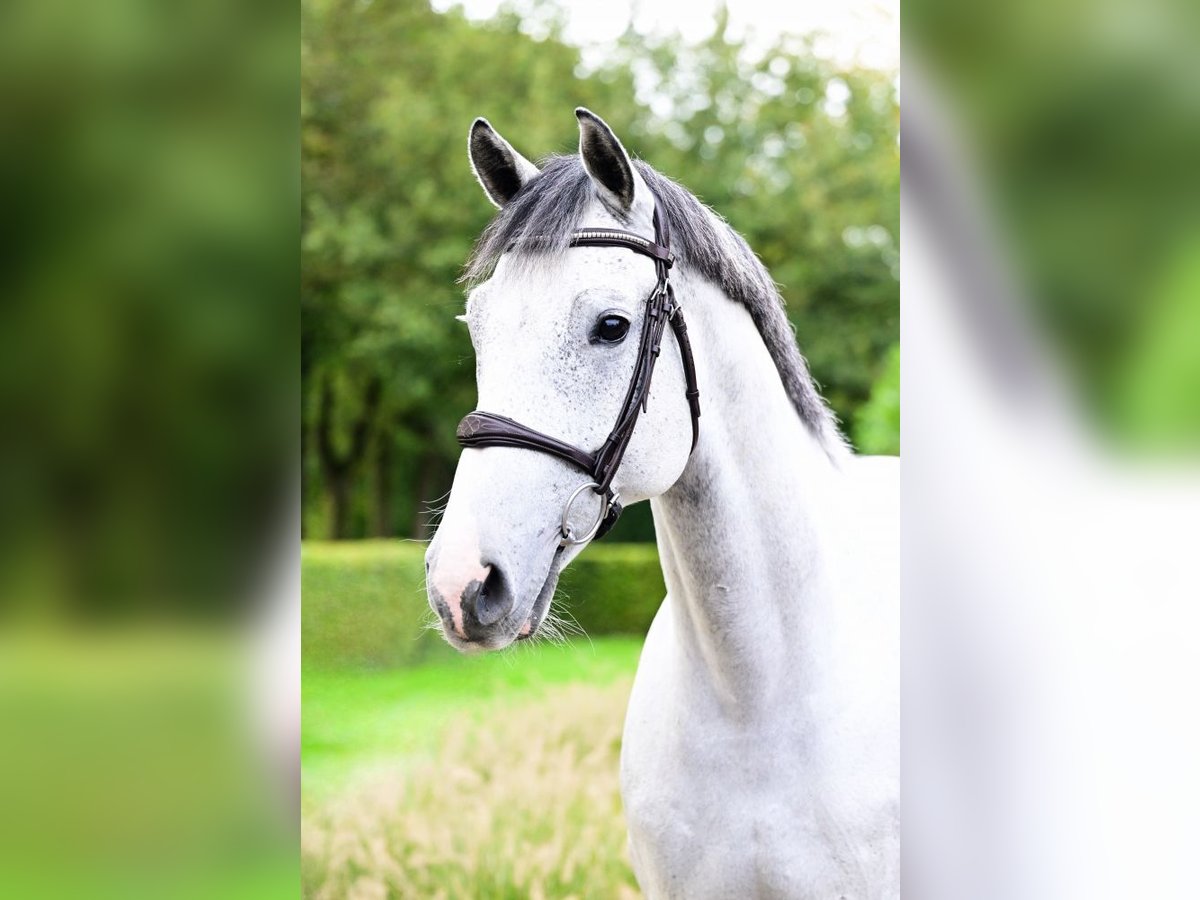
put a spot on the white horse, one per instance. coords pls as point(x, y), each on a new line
point(761, 748)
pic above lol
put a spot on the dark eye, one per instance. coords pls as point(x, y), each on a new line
point(610, 329)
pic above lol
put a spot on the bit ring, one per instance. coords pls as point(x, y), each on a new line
point(568, 537)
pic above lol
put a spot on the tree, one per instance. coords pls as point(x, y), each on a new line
point(390, 210)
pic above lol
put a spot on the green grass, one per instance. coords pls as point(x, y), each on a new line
point(357, 722)
point(490, 777)
point(130, 768)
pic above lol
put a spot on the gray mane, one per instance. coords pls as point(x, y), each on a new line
point(541, 217)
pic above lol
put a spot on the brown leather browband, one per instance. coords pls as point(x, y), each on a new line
point(484, 429)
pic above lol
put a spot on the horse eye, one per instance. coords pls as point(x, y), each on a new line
point(610, 329)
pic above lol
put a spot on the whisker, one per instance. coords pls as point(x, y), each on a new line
point(566, 619)
point(430, 622)
point(435, 510)
point(438, 500)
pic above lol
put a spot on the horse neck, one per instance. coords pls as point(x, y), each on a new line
point(740, 534)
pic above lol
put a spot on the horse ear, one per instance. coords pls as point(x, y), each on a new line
point(606, 161)
point(501, 170)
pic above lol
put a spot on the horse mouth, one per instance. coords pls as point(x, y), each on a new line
point(541, 605)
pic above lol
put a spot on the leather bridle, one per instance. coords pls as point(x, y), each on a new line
point(484, 429)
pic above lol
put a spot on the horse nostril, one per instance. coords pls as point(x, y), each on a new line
point(490, 601)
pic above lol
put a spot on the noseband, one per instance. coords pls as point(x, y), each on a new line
point(484, 429)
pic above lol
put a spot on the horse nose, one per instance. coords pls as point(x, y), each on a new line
point(484, 603)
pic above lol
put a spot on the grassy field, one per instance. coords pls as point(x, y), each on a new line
point(480, 777)
point(127, 767)
point(358, 721)
point(430, 774)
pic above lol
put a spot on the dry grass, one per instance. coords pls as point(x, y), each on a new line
point(521, 804)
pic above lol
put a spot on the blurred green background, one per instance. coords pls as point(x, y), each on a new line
point(1081, 119)
point(148, 419)
point(799, 153)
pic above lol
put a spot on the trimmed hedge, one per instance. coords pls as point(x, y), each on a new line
point(613, 588)
point(365, 607)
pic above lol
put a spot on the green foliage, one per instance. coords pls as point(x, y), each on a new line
point(1155, 401)
point(613, 588)
point(147, 332)
point(801, 157)
point(365, 606)
point(877, 425)
point(1087, 136)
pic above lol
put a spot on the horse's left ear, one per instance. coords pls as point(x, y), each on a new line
point(501, 170)
point(606, 161)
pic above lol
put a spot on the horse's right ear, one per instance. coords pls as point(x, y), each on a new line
point(501, 170)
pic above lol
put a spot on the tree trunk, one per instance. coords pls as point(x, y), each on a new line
point(381, 505)
point(339, 503)
point(337, 469)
